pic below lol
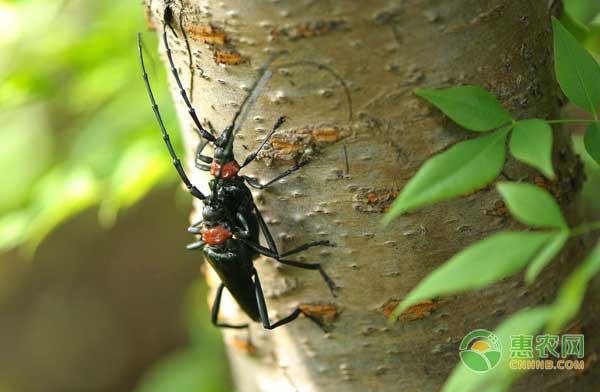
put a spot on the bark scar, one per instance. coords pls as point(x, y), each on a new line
point(374, 200)
point(292, 145)
point(325, 313)
point(308, 29)
point(416, 312)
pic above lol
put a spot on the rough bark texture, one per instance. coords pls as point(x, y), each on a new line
point(361, 154)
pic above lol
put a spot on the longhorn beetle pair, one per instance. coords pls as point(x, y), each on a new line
point(231, 222)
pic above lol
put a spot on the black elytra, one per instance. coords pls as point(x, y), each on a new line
point(231, 222)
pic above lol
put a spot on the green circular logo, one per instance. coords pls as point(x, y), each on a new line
point(480, 350)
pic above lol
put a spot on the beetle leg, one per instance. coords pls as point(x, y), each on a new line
point(202, 158)
point(313, 266)
point(245, 233)
point(256, 185)
point(307, 246)
point(195, 245)
point(309, 266)
point(252, 156)
point(201, 166)
point(274, 253)
point(265, 230)
point(215, 312)
point(269, 237)
point(264, 314)
point(194, 229)
point(260, 249)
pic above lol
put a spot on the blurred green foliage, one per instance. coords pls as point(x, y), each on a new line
point(582, 18)
point(78, 132)
point(191, 369)
point(77, 126)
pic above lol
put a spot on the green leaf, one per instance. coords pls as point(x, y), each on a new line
point(14, 228)
point(469, 106)
point(531, 143)
point(571, 293)
point(578, 28)
point(576, 70)
point(525, 322)
point(465, 167)
point(581, 10)
point(63, 193)
point(547, 253)
point(478, 266)
point(591, 140)
point(532, 205)
point(591, 187)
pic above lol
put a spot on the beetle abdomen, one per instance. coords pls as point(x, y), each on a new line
point(236, 272)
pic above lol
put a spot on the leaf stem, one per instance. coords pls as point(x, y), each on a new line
point(585, 228)
point(570, 121)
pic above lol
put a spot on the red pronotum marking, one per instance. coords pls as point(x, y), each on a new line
point(228, 170)
point(215, 235)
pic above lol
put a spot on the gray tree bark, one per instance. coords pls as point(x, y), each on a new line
point(344, 77)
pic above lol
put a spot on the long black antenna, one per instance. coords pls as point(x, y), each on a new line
point(191, 110)
point(242, 113)
point(324, 67)
point(250, 99)
point(176, 162)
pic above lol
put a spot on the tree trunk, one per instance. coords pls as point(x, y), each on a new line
point(344, 77)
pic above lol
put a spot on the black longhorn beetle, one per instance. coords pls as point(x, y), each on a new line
point(231, 221)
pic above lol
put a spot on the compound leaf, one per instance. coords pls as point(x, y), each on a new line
point(571, 293)
point(471, 107)
point(531, 143)
point(577, 71)
point(500, 378)
point(465, 167)
point(532, 205)
point(478, 266)
point(546, 254)
point(591, 141)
